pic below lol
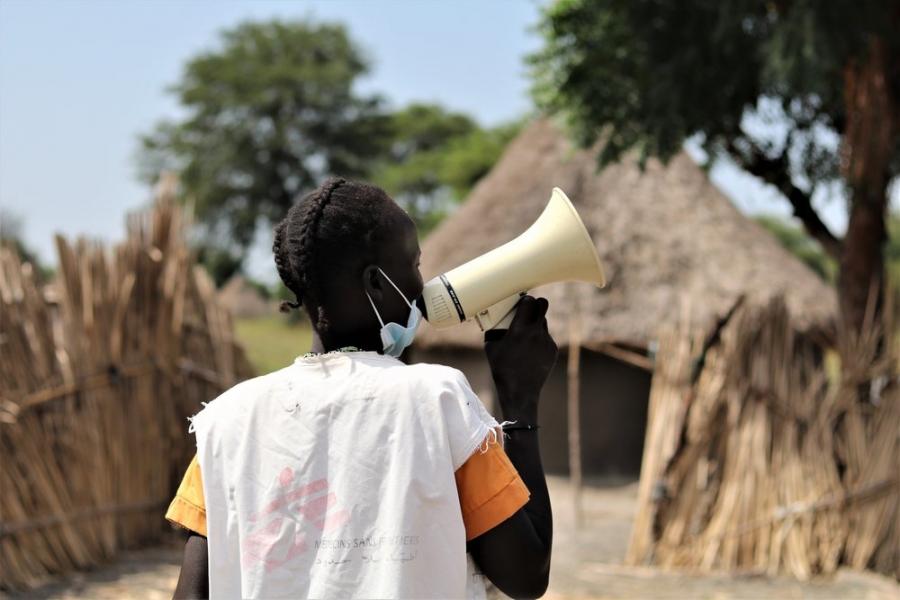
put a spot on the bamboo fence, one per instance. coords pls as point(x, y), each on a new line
point(756, 460)
point(98, 372)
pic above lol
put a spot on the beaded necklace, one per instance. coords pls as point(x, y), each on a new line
point(338, 351)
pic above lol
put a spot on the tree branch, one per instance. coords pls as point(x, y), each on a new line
point(775, 171)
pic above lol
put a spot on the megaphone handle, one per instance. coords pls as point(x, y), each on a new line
point(506, 321)
point(498, 331)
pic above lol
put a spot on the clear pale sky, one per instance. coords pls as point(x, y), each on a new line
point(79, 80)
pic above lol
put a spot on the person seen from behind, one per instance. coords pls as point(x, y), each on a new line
point(351, 474)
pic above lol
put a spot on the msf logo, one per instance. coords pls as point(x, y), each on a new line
point(294, 508)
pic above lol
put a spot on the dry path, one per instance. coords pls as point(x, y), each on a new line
point(587, 560)
point(149, 574)
point(587, 563)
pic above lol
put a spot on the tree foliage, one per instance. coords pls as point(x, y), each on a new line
point(435, 157)
point(274, 109)
point(800, 94)
point(269, 113)
point(648, 74)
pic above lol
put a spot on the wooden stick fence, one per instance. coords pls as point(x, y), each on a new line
point(757, 462)
point(97, 376)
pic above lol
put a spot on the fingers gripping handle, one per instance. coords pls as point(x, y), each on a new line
point(499, 315)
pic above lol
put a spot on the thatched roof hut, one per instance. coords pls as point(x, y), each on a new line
point(243, 300)
point(666, 236)
point(671, 244)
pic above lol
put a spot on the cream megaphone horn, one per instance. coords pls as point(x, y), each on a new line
point(557, 247)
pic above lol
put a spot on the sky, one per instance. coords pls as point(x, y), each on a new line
point(80, 80)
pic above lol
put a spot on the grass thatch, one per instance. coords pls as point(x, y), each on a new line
point(757, 462)
point(663, 234)
point(97, 378)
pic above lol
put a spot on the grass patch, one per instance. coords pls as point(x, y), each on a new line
point(271, 342)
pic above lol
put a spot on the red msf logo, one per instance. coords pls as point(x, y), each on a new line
point(305, 504)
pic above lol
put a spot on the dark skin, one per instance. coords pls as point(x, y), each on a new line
point(514, 555)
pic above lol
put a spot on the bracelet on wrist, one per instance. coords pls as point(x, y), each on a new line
point(519, 427)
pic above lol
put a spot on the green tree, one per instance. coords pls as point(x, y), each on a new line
point(269, 113)
point(435, 157)
point(800, 94)
point(469, 158)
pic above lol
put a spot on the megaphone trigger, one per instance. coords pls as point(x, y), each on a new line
point(496, 331)
point(507, 319)
point(499, 315)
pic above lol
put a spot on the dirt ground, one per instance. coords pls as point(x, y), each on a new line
point(587, 563)
point(587, 560)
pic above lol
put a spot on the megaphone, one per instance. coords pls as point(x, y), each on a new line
point(557, 247)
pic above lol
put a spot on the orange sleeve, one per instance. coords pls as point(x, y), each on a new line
point(187, 508)
point(490, 489)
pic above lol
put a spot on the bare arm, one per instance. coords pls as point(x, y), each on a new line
point(194, 579)
point(515, 555)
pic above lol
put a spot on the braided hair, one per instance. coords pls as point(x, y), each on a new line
point(332, 228)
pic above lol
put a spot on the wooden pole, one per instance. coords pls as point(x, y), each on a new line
point(574, 409)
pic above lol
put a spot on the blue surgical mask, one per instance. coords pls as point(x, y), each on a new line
point(394, 336)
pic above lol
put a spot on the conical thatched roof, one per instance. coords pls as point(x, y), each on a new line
point(243, 300)
point(671, 244)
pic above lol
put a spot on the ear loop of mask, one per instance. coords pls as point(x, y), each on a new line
point(380, 322)
point(402, 295)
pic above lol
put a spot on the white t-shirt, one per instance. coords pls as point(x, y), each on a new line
point(334, 478)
